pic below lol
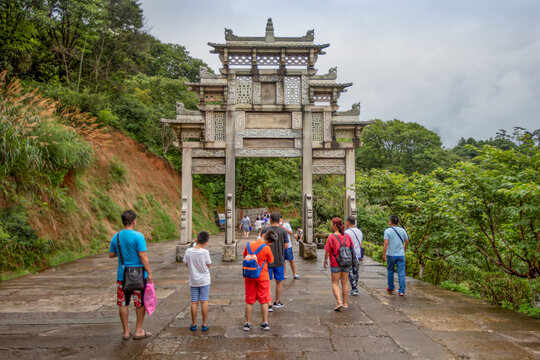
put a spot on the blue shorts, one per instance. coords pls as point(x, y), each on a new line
point(288, 254)
point(339, 269)
point(200, 293)
point(277, 272)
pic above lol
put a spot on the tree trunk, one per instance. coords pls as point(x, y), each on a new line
point(421, 272)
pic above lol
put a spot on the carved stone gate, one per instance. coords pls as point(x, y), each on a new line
point(267, 101)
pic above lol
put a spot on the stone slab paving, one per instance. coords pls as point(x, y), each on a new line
point(50, 315)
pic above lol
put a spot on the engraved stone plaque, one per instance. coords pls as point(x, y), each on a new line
point(268, 120)
point(268, 91)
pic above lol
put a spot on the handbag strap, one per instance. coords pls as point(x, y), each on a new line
point(400, 238)
point(340, 245)
point(120, 249)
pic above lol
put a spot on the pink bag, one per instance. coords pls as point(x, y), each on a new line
point(150, 300)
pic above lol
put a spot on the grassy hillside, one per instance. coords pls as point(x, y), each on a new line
point(61, 196)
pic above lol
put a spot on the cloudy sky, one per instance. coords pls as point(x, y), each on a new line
point(460, 67)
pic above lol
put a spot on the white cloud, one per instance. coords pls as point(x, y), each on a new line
point(460, 68)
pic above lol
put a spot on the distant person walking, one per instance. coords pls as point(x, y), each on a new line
point(259, 288)
point(356, 236)
point(395, 246)
point(288, 254)
point(198, 261)
point(339, 267)
point(133, 248)
point(245, 224)
point(277, 268)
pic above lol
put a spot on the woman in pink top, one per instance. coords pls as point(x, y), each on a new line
point(339, 273)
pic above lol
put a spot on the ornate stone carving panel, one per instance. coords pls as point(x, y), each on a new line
point(191, 134)
point(279, 93)
point(317, 126)
point(296, 60)
point(305, 90)
point(243, 95)
point(218, 169)
point(329, 170)
point(239, 59)
point(219, 126)
point(297, 120)
point(199, 153)
point(231, 92)
point(327, 126)
point(269, 153)
point(257, 97)
point(328, 162)
point(240, 120)
point(269, 133)
point(331, 153)
point(209, 131)
point(268, 59)
point(269, 78)
point(292, 90)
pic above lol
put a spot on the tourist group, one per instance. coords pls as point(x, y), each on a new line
point(263, 260)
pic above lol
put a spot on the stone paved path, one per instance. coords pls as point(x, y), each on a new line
point(50, 316)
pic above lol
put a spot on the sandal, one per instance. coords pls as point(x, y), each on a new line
point(145, 336)
point(339, 307)
point(401, 294)
point(124, 337)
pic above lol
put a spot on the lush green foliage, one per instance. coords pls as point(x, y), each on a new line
point(475, 225)
point(19, 244)
point(36, 146)
point(400, 147)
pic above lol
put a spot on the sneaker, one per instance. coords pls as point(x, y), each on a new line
point(354, 292)
point(278, 304)
point(270, 308)
point(247, 326)
point(265, 326)
point(390, 291)
point(193, 328)
point(204, 328)
point(296, 277)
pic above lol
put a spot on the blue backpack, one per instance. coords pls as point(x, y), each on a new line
point(250, 265)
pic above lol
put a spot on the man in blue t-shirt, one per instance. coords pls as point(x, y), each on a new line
point(133, 248)
point(395, 245)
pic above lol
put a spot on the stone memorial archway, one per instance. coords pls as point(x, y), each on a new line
point(267, 101)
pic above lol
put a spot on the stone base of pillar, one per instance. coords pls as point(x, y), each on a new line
point(229, 252)
point(180, 252)
point(308, 251)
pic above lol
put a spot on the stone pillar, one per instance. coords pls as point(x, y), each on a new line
point(229, 253)
point(308, 250)
point(187, 204)
point(350, 179)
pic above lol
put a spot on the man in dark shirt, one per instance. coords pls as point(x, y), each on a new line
point(277, 268)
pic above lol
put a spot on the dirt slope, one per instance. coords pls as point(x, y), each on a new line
point(124, 175)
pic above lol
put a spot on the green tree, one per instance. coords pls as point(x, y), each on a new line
point(400, 147)
point(496, 201)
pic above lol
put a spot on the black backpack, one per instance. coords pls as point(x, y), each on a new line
point(344, 257)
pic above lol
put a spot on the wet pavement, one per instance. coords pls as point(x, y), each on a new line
point(54, 314)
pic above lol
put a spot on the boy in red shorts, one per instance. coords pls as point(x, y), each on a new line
point(259, 289)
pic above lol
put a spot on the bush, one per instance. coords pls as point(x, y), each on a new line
point(19, 244)
point(64, 147)
point(117, 172)
point(503, 289)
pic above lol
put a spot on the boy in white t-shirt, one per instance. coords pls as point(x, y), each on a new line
point(198, 261)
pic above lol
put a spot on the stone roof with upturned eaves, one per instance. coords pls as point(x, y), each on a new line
point(268, 41)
